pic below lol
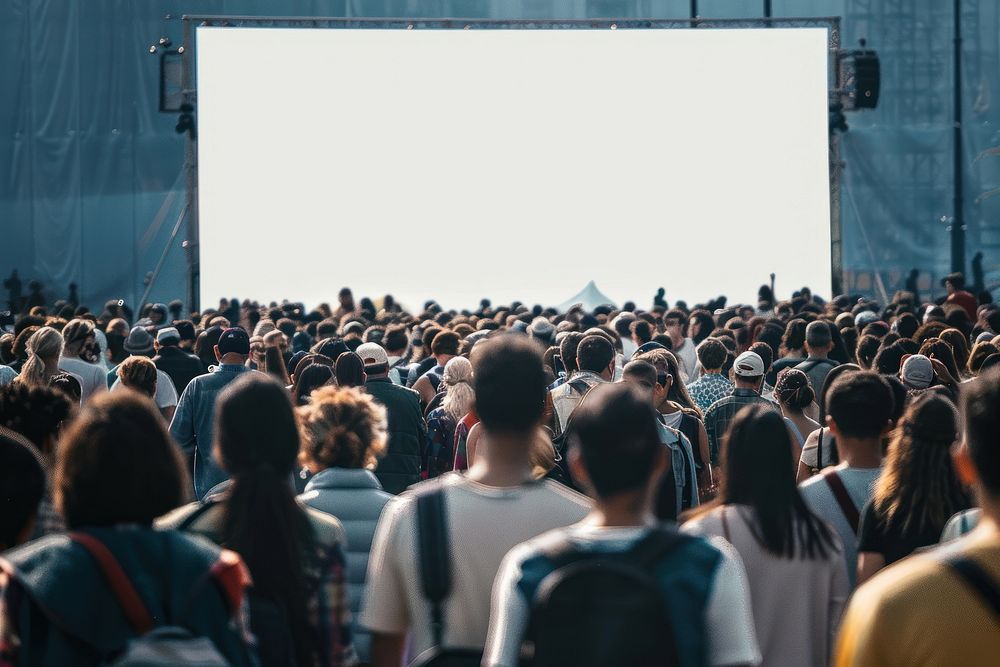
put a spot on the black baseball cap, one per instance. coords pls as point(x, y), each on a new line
point(234, 340)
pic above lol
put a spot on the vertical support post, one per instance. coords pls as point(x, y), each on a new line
point(191, 176)
point(694, 9)
point(958, 215)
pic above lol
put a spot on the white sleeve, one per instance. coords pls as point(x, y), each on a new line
point(509, 613)
point(384, 608)
point(166, 393)
point(729, 617)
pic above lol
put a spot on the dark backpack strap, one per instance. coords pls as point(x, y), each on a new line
point(122, 588)
point(976, 578)
point(579, 386)
point(809, 364)
point(645, 552)
point(843, 498)
point(435, 566)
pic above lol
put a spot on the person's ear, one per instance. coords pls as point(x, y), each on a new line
point(964, 467)
point(902, 360)
point(217, 355)
point(832, 425)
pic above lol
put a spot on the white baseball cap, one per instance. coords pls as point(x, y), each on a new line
point(749, 364)
point(372, 354)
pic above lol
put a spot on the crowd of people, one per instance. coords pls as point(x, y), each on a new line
point(791, 482)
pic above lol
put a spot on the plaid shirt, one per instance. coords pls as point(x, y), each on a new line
point(708, 389)
point(721, 413)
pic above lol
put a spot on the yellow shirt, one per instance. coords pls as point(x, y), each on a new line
point(919, 612)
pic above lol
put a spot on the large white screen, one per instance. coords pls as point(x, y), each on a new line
point(513, 164)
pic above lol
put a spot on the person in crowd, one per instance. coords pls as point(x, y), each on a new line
point(918, 490)
point(396, 344)
point(794, 395)
point(568, 347)
point(748, 376)
point(792, 348)
point(783, 545)
point(349, 370)
point(819, 343)
point(935, 607)
point(711, 385)
point(343, 434)
point(295, 554)
point(193, 424)
point(23, 486)
point(820, 448)
point(44, 348)
point(204, 347)
point(954, 284)
point(439, 451)
point(700, 325)
point(595, 363)
point(140, 345)
point(508, 379)
point(116, 472)
point(674, 325)
point(400, 467)
point(679, 488)
point(616, 453)
point(311, 378)
point(79, 340)
point(139, 374)
point(116, 332)
point(444, 347)
point(859, 409)
point(179, 365)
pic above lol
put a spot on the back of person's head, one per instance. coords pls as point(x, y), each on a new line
point(68, 385)
point(117, 464)
point(35, 412)
point(642, 331)
point(138, 373)
point(342, 428)
point(979, 354)
point(712, 354)
point(919, 489)
point(76, 332)
point(615, 437)
point(257, 441)
point(907, 325)
point(567, 349)
point(395, 339)
point(45, 344)
point(860, 405)
point(760, 473)
point(763, 350)
point(641, 371)
point(327, 328)
point(942, 351)
point(866, 350)
point(795, 336)
point(595, 354)
point(981, 421)
point(509, 383)
point(793, 390)
point(311, 378)
point(889, 358)
point(818, 335)
point(457, 380)
point(350, 370)
point(22, 487)
point(446, 342)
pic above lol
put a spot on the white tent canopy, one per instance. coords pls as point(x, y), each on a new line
point(590, 297)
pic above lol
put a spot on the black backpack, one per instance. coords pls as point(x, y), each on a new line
point(600, 608)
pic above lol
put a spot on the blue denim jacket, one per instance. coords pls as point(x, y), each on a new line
point(193, 421)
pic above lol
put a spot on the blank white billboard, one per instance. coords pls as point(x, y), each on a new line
point(511, 164)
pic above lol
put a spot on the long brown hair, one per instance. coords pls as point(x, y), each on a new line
point(918, 488)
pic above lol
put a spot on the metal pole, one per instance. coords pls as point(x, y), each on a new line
point(767, 9)
point(958, 217)
point(191, 245)
point(694, 9)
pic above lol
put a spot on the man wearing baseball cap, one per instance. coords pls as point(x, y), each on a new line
point(748, 376)
point(192, 423)
point(400, 467)
point(181, 366)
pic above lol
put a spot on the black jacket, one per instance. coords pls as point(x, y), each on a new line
point(400, 467)
point(179, 365)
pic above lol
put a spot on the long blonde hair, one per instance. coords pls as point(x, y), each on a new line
point(458, 379)
point(45, 343)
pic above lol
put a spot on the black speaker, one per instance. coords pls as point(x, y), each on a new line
point(860, 77)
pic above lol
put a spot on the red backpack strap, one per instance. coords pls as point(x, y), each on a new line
point(233, 578)
point(843, 498)
point(133, 606)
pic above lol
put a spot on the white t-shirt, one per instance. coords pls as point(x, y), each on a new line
point(687, 356)
point(792, 629)
point(484, 523)
point(808, 456)
point(166, 393)
point(728, 618)
point(860, 485)
point(93, 380)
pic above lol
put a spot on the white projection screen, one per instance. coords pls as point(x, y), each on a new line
point(511, 164)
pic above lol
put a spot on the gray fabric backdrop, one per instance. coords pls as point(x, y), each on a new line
point(86, 161)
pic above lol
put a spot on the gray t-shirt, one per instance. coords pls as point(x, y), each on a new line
point(860, 484)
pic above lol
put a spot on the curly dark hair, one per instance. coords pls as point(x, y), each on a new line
point(37, 413)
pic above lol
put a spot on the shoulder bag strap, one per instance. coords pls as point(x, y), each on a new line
point(725, 525)
point(843, 499)
point(973, 574)
point(435, 566)
point(122, 588)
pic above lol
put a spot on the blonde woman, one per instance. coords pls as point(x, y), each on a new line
point(343, 434)
point(44, 349)
point(439, 450)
